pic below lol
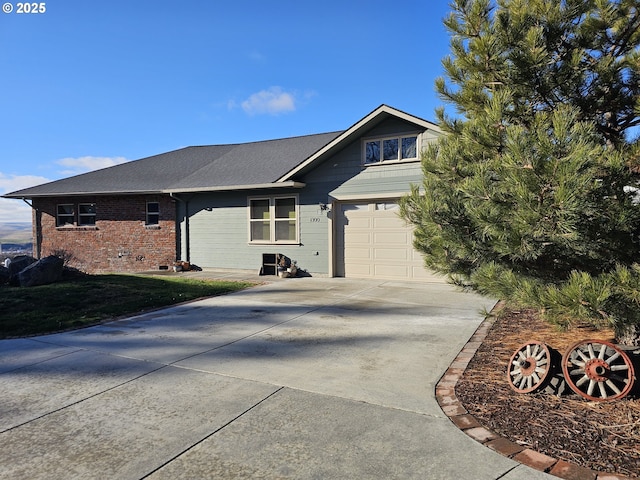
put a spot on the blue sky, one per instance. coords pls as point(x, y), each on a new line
point(89, 84)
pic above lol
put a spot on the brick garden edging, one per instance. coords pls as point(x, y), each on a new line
point(458, 414)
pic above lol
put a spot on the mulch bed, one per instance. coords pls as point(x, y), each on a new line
point(602, 436)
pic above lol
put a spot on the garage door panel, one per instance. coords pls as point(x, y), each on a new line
point(391, 271)
point(358, 253)
point(392, 238)
point(357, 221)
point(389, 221)
point(359, 238)
point(358, 270)
point(391, 254)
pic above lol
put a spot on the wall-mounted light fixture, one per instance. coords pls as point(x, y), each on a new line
point(324, 206)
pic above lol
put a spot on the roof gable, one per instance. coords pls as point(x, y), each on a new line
point(376, 117)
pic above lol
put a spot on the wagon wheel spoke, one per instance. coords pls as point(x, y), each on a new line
point(582, 381)
point(613, 387)
point(619, 368)
point(597, 370)
point(618, 378)
point(613, 358)
point(529, 367)
point(603, 391)
point(582, 355)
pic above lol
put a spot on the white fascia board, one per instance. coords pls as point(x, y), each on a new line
point(373, 196)
point(227, 188)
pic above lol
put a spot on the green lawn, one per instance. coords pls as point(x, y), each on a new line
point(92, 299)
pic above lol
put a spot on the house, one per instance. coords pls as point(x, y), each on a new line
point(328, 201)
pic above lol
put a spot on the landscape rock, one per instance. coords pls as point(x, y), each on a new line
point(18, 264)
point(44, 271)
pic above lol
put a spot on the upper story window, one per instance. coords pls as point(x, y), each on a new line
point(153, 213)
point(86, 214)
point(65, 215)
point(273, 220)
point(390, 149)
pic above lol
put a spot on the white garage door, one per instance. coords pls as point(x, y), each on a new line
point(374, 242)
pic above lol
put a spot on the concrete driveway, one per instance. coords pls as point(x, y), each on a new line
point(310, 378)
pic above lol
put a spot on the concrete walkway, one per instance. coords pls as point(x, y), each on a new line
point(306, 378)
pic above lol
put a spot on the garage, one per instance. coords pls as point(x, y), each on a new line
point(372, 241)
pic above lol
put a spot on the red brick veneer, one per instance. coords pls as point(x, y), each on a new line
point(119, 242)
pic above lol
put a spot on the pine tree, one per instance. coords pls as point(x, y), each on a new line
point(532, 193)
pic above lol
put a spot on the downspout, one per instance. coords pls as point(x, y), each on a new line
point(186, 226)
point(37, 230)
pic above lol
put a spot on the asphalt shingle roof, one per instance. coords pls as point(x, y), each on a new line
point(191, 168)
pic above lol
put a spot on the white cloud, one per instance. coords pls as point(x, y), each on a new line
point(78, 165)
point(257, 57)
point(272, 101)
point(16, 210)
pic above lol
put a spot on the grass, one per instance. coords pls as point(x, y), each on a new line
point(91, 299)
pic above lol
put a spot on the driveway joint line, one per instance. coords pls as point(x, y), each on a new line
point(77, 402)
point(507, 472)
point(44, 360)
point(206, 437)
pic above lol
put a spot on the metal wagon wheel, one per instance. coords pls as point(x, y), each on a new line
point(530, 367)
point(598, 370)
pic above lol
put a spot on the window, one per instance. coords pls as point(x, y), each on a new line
point(273, 220)
point(65, 215)
point(286, 224)
point(86, 214)
point(392, 149)
point(260, 220)
point(153, 213)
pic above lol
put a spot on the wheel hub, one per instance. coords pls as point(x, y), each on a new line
point(527, 366)
point(596, 369)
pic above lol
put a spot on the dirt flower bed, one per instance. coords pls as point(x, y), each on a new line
point(602, 436)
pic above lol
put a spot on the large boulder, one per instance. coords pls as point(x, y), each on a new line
point(42, 272)
point(18, 264)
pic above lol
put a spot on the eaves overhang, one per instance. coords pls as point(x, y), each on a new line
point(219, 188)
point(19, 195)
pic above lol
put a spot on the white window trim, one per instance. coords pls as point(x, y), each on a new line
point(272, 220)
point(381, 139)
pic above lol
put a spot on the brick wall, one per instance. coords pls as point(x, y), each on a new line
point(120, 241)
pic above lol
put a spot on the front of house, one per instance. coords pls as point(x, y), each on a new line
point(327, 201)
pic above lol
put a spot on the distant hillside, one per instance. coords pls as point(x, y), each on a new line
point(18, 232)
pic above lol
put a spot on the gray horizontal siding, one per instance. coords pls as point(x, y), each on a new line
point(219, 236)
